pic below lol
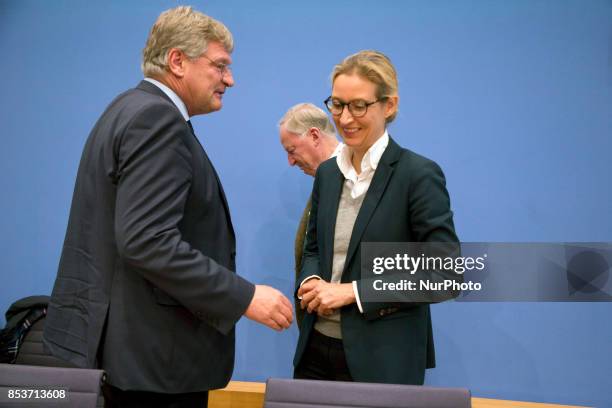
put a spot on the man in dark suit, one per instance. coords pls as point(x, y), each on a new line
point(309, 138)
point(146, 287)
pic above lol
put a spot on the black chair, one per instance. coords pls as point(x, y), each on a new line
point(285, 393)
point(31, 352)
point(81, 386)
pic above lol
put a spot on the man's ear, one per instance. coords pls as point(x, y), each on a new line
point(315, 135)
point(176, 62)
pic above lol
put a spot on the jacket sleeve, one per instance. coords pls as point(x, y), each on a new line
point(154, 179)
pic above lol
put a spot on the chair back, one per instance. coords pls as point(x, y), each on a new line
point(81, 386)
point(285, 393)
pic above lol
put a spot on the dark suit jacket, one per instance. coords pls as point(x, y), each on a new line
point(146, 287)
point(407, 201)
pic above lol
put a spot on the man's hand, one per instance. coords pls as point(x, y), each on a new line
point(324, 297)
point(270, 307)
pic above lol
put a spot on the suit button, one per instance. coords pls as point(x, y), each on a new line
point(382, 312)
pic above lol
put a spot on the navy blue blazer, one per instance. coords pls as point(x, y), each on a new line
point(407, 201)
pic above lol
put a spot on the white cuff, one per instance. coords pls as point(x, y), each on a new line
point(355, 289)
point(306, 280)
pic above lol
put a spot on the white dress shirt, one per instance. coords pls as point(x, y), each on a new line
point(358, 183)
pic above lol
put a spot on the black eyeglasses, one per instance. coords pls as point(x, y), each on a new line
point(221, 67)
point(358, 107)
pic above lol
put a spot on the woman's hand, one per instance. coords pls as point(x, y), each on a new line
point(324, 297)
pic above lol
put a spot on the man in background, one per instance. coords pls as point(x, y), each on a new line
point(146, 287)
point(309, 138)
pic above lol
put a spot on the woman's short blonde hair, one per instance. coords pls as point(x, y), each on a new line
point(186, 29)
point(374, 66)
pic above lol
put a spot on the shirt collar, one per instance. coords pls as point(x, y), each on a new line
point(370, 159)
point(173, 97)
point(337, 150)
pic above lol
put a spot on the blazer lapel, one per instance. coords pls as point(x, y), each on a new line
point(381, 178)
point(334, 190)
point(221, 192)
point(149, 87)
point(223, 199)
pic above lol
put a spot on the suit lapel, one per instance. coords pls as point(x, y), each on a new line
point(381, 178)
point(223, 199)
point(334, 190)
point(221, 192)
point(149, 87)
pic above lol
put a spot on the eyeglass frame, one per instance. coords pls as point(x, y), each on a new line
point(344, 104)
point(223, 68)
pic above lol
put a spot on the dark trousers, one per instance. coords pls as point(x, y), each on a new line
point(116, 398)
point(323, 359)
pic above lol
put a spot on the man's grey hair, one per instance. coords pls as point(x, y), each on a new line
point(185, 29)
point(304, 116)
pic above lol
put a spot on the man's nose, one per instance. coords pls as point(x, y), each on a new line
point(228, 78)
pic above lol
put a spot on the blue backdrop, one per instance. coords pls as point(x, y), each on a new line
point(512, 98)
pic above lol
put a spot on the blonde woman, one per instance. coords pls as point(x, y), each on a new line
point(373, 191)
